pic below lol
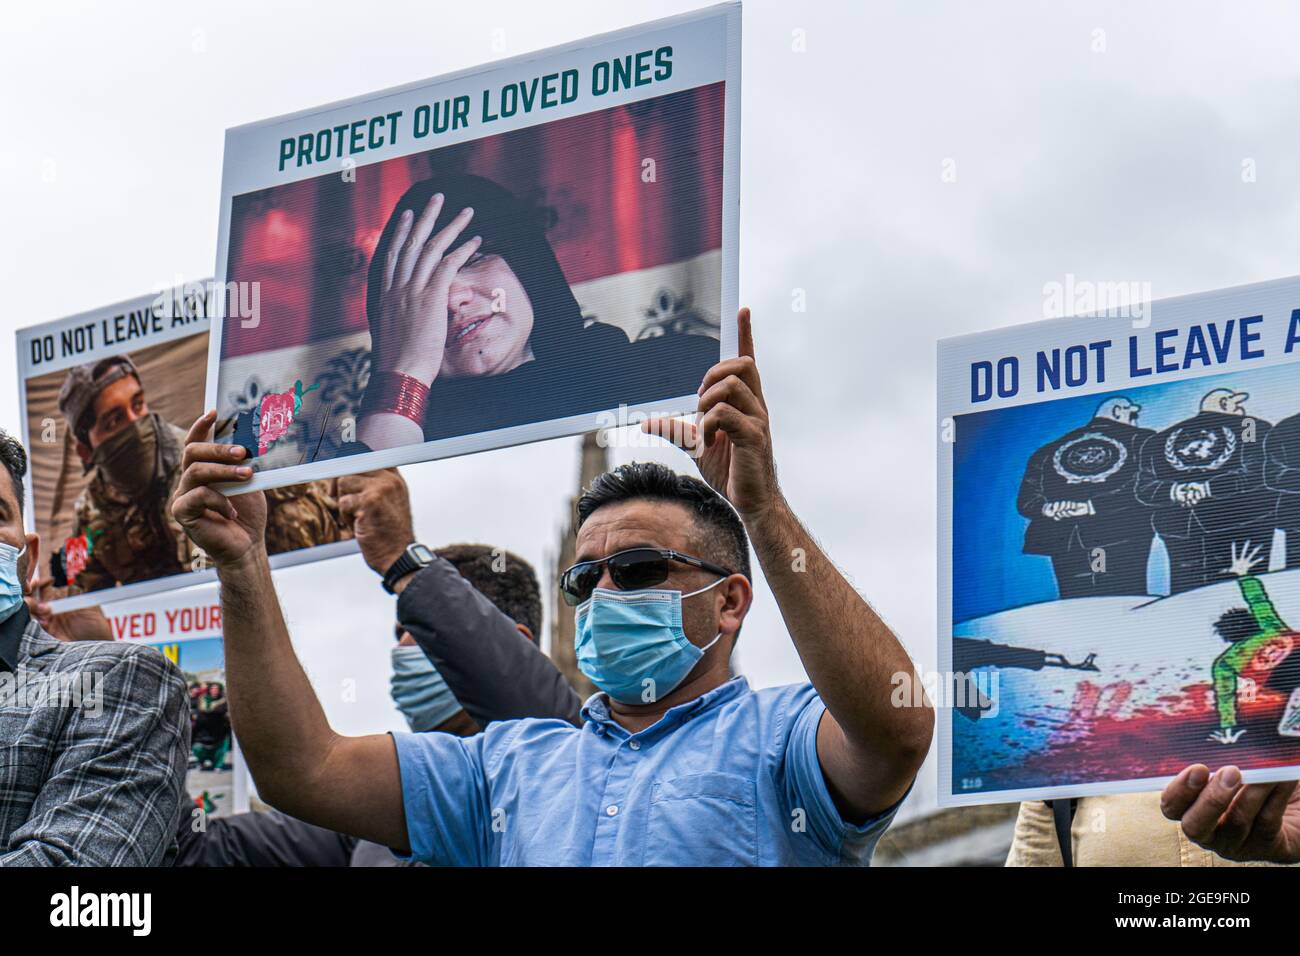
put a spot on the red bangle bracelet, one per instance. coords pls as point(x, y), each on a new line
point(397, 394)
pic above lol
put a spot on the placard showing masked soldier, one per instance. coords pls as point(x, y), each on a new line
point(1116, 600)
point(497, 256)
point(107, 397)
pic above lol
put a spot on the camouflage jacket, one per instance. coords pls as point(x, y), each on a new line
point(137, 539)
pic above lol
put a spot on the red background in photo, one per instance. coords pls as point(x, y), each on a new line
point(309, 243)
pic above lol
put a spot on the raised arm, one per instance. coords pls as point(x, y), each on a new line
point(1244, 560)
point(490, 667)
point(1261, 606)
point(869, 749)
point(494, 671)
point(300, 764)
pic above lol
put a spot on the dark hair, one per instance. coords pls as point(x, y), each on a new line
point(510, 228)
point(1236, 625)
point(514, 589)
point(723, 532)
point(14, 457)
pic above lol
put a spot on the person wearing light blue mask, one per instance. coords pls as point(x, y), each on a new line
point(631, 644)
point(676, 761)
point(420, 693)
point(12, 575)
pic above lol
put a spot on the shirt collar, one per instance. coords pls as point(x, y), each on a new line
point(11, 636)
point(596, 710)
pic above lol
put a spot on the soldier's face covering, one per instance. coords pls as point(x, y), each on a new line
point(132, 459)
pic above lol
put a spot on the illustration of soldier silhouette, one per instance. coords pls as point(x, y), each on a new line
point(1203, 478)
point(1282, 474)
point(1078, 494)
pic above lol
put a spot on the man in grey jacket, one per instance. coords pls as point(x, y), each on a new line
point(474, 612)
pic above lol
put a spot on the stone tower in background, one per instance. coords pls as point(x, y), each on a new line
point(593, 461)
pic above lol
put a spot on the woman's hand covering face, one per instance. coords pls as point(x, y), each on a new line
point(411, 333)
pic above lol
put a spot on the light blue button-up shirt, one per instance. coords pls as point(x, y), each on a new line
point(728, 779)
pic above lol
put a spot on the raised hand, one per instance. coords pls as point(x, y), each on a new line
point(227, 529)
point(377, 504)
point(410, 333)
point(1244, 560)
point(731, 438)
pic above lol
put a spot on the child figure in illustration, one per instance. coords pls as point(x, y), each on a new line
point(1260, 641)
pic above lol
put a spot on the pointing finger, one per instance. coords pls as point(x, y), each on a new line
point(745, 331)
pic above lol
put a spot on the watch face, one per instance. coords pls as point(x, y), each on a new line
point(420, 553)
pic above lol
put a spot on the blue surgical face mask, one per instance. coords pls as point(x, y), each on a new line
point(631, 644)
point(11, 581)
point(418, 689)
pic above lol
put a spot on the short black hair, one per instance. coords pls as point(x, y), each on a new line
point(1236, 625)
point(14, 457)
point(513, 588)
point(723, 532)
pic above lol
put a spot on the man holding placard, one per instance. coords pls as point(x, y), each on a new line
point(677, 763)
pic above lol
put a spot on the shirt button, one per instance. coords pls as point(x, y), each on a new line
point(611, 811)
point(635, 744)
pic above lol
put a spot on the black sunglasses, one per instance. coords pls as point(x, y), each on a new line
point(631, 570)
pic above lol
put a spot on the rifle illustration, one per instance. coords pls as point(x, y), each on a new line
point(970, 653)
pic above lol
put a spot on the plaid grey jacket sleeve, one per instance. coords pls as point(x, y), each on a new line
point(113, 785)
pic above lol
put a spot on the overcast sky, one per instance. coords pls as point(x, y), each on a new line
point(1103, 140)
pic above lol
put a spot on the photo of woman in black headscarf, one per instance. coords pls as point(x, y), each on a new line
point(473, 326)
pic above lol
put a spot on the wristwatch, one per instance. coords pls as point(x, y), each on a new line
point(415, 557)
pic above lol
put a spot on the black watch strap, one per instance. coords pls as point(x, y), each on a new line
point(415, 557)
